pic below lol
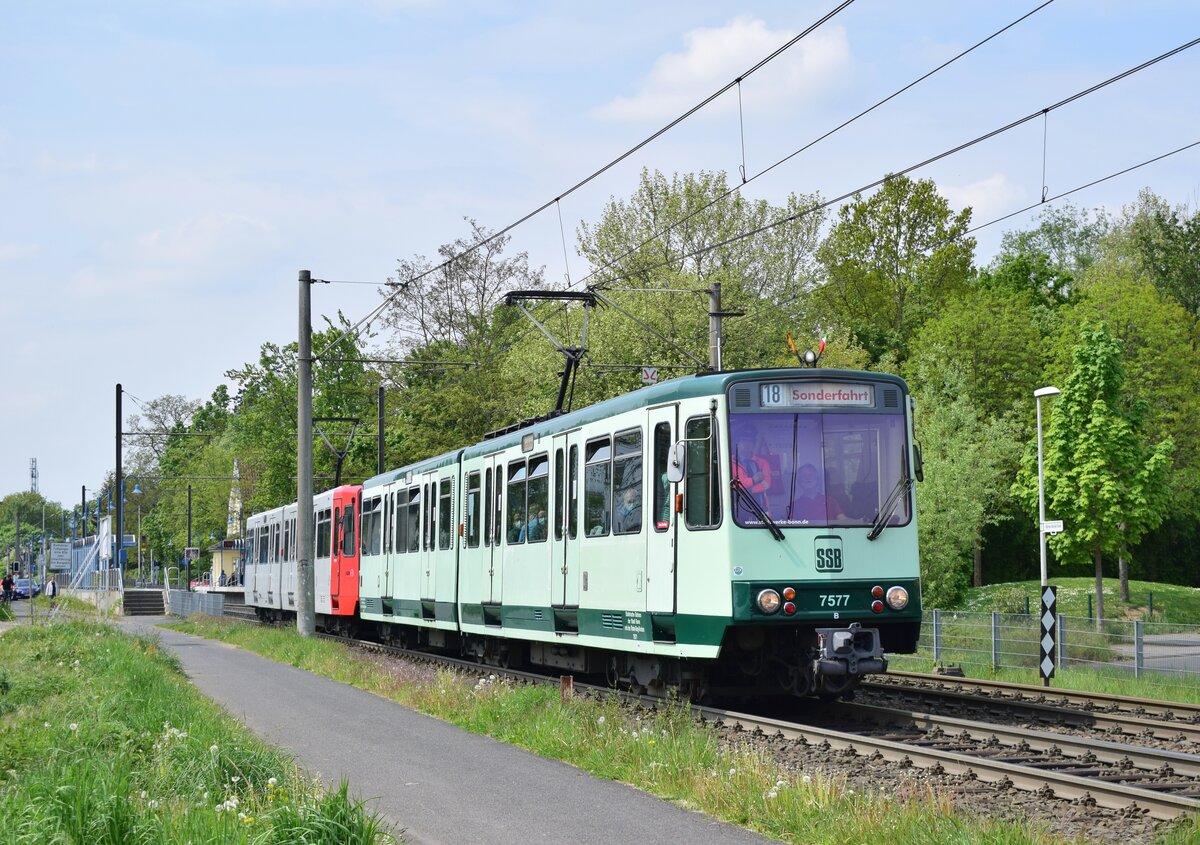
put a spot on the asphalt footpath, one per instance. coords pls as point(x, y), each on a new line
point(434, 782)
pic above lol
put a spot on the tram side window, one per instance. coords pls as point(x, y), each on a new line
point(559, 486)
point(487, 506)
point(472, 507)
point(324, 526)
point(662, 489)
point(702, 491)
point(517, 513)
point(429, 503)
point(445, 514)
point(539, 498)
point(627, 483)
point(597, 487)
point(573, 492)
point(348, 523)
point(262, 544)
point(371, 527)
point(400, 522)
point(291, 552)
point(414, 519)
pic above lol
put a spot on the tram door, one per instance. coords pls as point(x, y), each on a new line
point(564, 542)
point(492, 559)
point(661, 524)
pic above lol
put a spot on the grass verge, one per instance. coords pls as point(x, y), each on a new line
point(103, 741)
point(1172, 602)
point(664, 752)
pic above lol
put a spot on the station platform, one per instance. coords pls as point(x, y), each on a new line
point(438, 784)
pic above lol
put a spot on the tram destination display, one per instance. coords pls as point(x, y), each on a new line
point(815, 394)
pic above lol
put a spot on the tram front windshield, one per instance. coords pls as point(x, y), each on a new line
point(818, 469)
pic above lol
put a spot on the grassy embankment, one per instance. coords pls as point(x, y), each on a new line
point(1101, 659)
point(103, 741)
point(664, 752)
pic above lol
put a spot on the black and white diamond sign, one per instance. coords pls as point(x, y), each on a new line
point(1049, 631)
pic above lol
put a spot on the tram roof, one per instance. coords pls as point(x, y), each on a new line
point(672, 390)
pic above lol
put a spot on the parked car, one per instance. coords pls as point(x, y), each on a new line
point(23, 586)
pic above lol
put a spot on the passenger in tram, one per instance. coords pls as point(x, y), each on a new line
point(811, 503)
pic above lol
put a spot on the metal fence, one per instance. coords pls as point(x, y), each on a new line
point(182, 603)
point(1158, 650)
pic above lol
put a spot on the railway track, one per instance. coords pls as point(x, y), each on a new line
point(1164, 784)
point(1115, 715)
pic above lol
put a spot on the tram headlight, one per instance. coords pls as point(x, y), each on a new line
point(768, 601)
point(897, 598)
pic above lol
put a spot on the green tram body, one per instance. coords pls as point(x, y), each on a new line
point(674, 602)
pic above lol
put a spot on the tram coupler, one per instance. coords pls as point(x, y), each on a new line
point(843, 652)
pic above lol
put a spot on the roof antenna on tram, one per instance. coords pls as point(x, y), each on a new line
point(808, 358)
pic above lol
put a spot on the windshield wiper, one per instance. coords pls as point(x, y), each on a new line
point(753, 504)
point(903, 485)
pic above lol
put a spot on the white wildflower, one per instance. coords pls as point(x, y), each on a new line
point(600, 721)
point(771, 794)
point(806, 779)
point(212, 749)
point(732, 772)
point(142, 795)
point(45, 724)
point(74, 726)
point(272, 782)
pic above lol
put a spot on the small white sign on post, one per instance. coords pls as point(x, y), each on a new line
point(60, 557)
point(105, 538)
point(649, 375)
point(1052, 526)
point(191, 553)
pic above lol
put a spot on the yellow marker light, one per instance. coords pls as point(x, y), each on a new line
point(789, 593)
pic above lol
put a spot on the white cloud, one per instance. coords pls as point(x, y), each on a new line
point(15, 252)
point(712, 57)
point(201, 237)
point(987, 198)
point(88, 163)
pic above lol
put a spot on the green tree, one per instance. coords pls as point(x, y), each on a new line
point(1167, 245)
point(1069, 239)
point(684, 233)
point(1102, 479)
point(968, 457)
point(893, 260)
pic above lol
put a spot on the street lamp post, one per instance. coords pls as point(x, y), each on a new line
point(1037, 396)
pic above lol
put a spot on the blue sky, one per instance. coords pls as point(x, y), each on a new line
point(169, 167)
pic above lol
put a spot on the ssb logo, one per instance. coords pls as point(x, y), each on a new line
point(828, 553)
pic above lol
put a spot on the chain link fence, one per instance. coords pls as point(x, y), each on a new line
point(1160, 650)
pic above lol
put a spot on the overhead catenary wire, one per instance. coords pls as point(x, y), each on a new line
point(400, 286)
point(1144, 163)
point(746, 181)
point(788, 218)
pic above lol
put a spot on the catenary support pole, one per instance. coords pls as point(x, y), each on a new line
point(119, 493)
point(187, 564)
point(379, 433)
point(306, 617)
point(714, 327)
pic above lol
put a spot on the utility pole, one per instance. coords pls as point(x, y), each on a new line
point(83, 512)
point(715, 315)
point(187, 563)
point(119, 492)
point(379, 429)
point(306, 615)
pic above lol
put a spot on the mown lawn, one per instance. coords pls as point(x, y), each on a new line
point(1172, 603)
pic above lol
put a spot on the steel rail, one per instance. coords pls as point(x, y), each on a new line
point(1118, 796)
point(1185, 765)
point(1136, 706)
point(1067, 711)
